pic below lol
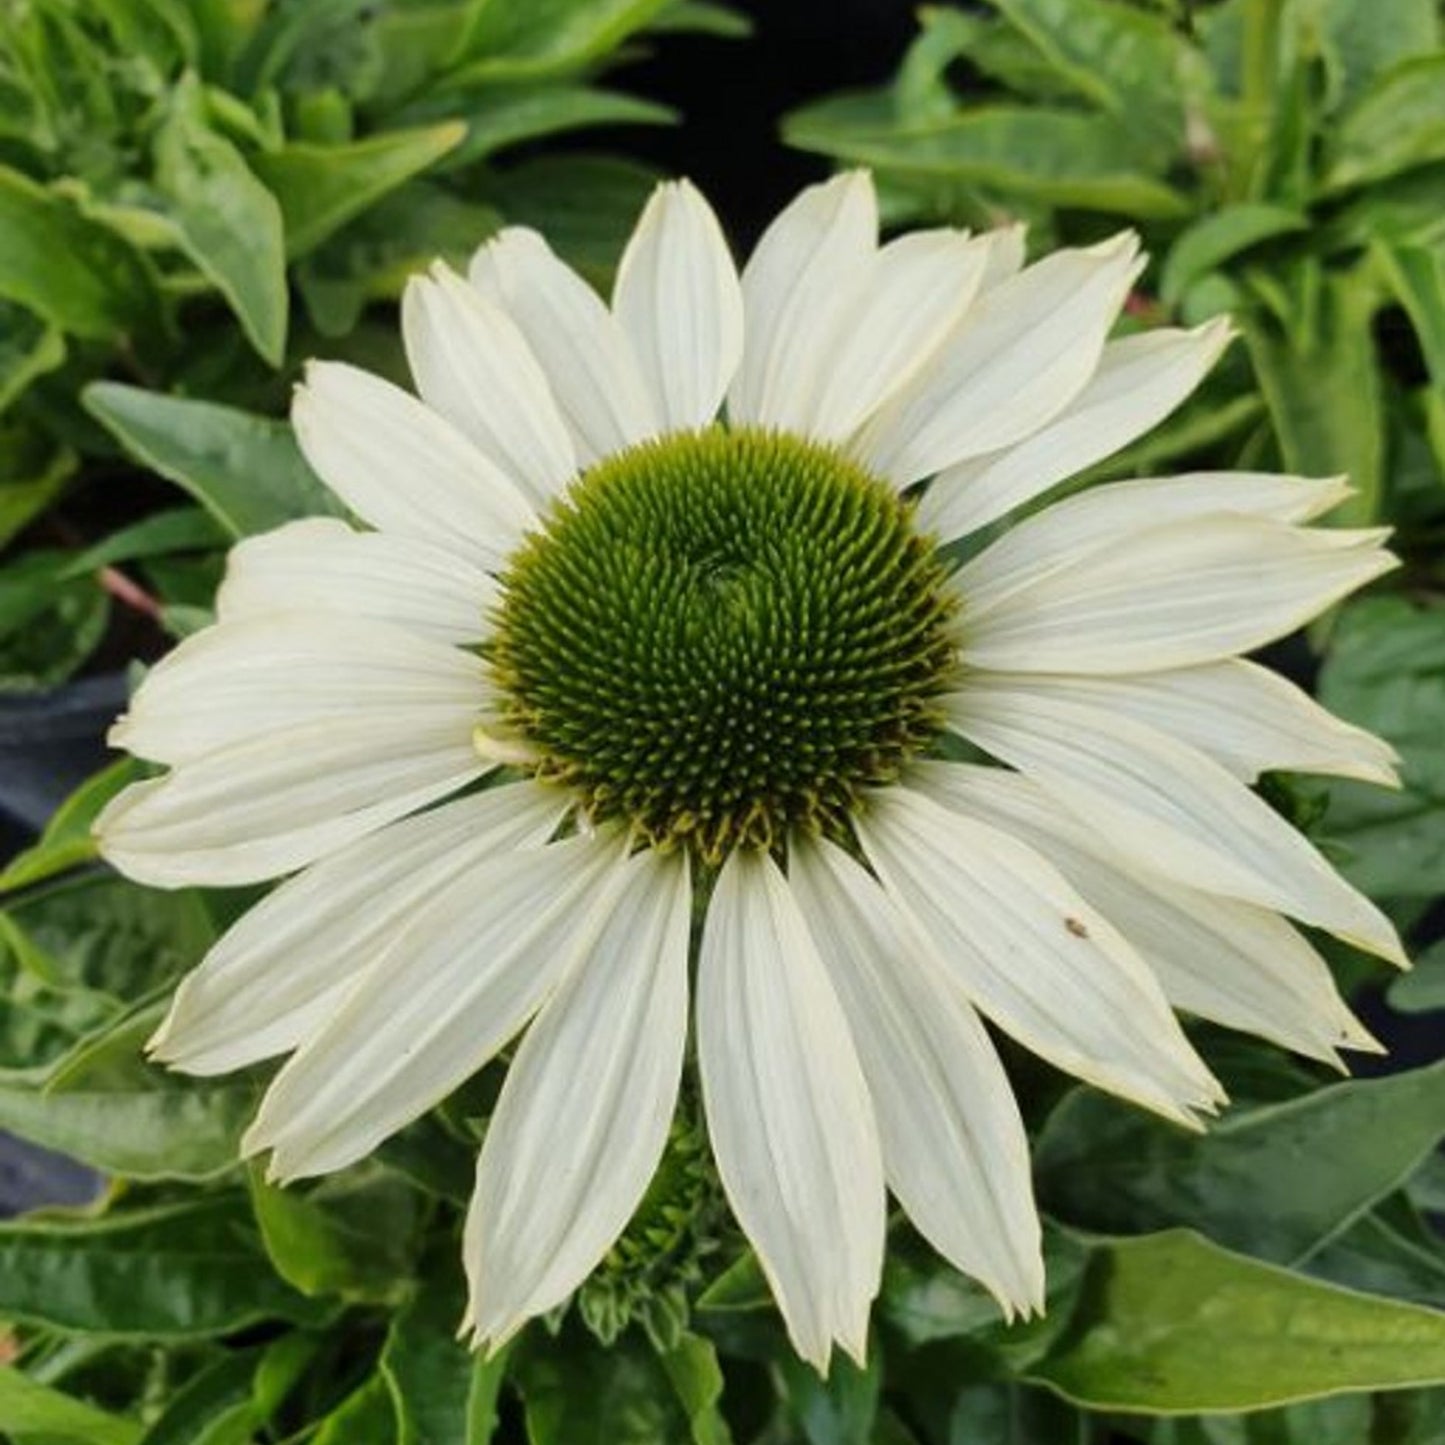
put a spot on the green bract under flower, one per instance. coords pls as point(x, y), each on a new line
point(723, 635)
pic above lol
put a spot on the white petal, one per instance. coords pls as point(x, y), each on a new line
point(404, 469)
point(902, 306)
point(472, 365)
point(954, 1146)
point(265, 807)
point(322, 565)
point(1110, 516)
point(282, 970)
point(1176, 595)
point(788, 1112)
point(1248, 719)
point(585, 1110)
point(1140, 380)
point(432, 1009)
point(1036, 958)
point(1021, 355)
point(1231, 962)
point(589, 362)
point(1166, 806)
point(678, 299)
point(813, 253)
point(243, 681)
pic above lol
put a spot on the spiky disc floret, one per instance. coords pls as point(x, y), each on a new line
point(723, 635)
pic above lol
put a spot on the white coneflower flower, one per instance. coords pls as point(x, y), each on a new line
point(660, 572)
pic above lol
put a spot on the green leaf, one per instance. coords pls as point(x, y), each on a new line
point(511, 39)
point(1358, 41)
point(1398, 123)
point(178, 529)
point(322, 187)
point(840, 1410)
point(33, 473)
point(246, 470)
point(214, 1407)
point(365, 1417)
point(49, 625)
point(1416, 275)
point(66, 841)
point(502, 116)
point(1321, 382)
point(700, 17)
point(1386, 672)
point(176, 1271)
point(1171, 1323)
point(1059, 157)
point(577, 1393)
point(1389, 1251)
point(353, 1236)
point(444, 1393)
point(1103, 1166)
point(75, 272)
point(225, 219)
point(28, 348)
point(1423, 988)
point(1221, 236)
point(1130, 63)
point(30, 1408)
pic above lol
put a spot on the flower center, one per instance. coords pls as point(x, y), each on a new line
point(721, 636)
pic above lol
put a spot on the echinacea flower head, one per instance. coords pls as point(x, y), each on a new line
point(652, 613)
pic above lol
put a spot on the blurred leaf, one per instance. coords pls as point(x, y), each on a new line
point(1220, 236)
point(365, 1417)
point(187, 1270)
point(161, 30)
point(1170, 1323)
point(540, 38)
point(1359, 41)
point(33, 473)
point(1423, 988)
point(226, 220)
point(214, 1407)
point(246, 470)
point(444, 1392)
point(49, 625)
point(353, 1236)
point(179, 529)
point(741, 1286)
point(701, 17)
point(28, 1408)
point(1385, 671)
point(66, 840)
point(110, 1109)
point(586, 206)
point(577, 1393)
point(1416, 275)
point(28, 348)
point(1131, 63)
point(1398, 123)
point(78, 274)
point(1059, 156)
point(502, 116)
point(840, 1410)
point(1104, 1166)
point(1321, 382)
point(1379, 1255)
point(321, 187)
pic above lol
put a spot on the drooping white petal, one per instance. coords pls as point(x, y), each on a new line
point(954, 1147)
point(280, 972)
point(322, 565)
point(812, 254)
point(1248, 719)
point(589, 361)
point(247, 680)
point(1032, 954)
point(1111, 516)
point(903, 305)
point(404, 469)
point(1174, 596)
point(1021, 355)
point(679, 302)
point(435, 1006)
point(1140, 380)
point(584, 1113)
point(276, 803)
point(788, 1111)
point(1169, 808)
point(1234, 963)
point(472, 364)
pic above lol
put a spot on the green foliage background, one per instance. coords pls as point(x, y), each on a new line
point(197, 194)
